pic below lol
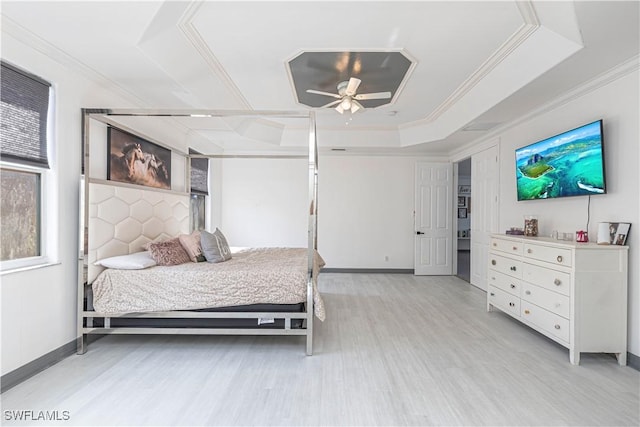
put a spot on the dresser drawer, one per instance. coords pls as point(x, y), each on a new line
point(551, 323)
point(505, 265)
point(557, 256)
point(506, 246)
point(547, 278)
point(552, 301)
point(506, 283)
point(504, 301)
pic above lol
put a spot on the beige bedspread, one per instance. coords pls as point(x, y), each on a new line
point(252, 276)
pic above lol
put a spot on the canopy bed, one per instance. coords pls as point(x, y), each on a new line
point(258, 291)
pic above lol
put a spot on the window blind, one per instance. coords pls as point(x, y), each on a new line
point(24, 103)
point(199, 175)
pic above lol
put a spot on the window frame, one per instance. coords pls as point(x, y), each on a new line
point(49, 201)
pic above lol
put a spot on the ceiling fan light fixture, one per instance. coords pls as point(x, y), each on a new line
point(347, 98)
point(346, 103)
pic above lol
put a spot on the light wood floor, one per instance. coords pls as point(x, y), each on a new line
point(394, 350)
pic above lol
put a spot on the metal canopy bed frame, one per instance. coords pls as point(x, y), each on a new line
point(86, 315)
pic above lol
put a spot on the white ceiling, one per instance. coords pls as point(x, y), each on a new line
point(477, 62)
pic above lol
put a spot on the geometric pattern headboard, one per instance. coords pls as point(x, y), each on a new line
point(122, 219)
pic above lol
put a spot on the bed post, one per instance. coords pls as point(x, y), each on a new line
point(313, 240)
point(81, 342)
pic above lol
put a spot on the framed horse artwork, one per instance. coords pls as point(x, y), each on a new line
point(137, 161)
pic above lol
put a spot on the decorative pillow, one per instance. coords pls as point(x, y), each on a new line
point(214, 246)
point(191, 244)
point(135, 261)
point(169, 252)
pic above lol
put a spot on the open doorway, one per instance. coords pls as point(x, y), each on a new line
point(464, 220)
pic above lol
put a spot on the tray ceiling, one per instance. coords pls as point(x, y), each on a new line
point(471, 62)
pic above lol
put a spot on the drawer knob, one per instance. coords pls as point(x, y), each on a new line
point(527, 292)
point(529, 251)
point(511, 304)
point(515, 248)
point(557, 326)
point(559, 258)
point(512, 268)
point(527, 312)
point(495, 244)
point(492, 294)
point(493, 262)
point(557, 282)
point(493, 278)
point(512, 286)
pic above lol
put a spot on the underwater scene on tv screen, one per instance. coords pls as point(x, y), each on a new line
point(569, 164)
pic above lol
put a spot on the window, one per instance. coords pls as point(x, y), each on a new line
point(199, 191)
point(199, 175)
point(24, 106)
point(20, 212)
point(197, 210)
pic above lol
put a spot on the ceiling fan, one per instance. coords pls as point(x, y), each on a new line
point(347, 99)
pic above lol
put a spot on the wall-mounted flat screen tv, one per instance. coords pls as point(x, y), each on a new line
point(568, 164)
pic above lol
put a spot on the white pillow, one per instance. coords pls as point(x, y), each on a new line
point(135, 261)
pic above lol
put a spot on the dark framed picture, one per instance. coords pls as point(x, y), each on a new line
point(464, 189)
point(137, 161)
point(618, 232)
point(462, 201)
point(462, 212)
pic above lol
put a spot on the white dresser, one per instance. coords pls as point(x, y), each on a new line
point(574, 293)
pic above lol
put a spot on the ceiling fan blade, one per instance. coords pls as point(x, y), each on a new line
point(355, 106)
point(332, 103)
point(376, 95)
point(352, 87)
point(339, 109)
point(319, 92)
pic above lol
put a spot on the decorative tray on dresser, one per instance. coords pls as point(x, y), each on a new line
point(573, 293)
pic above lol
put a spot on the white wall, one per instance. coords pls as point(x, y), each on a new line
point(264, 203)
point(365, 211)
point(365, 207)
point(617, 104)
point(39, 305)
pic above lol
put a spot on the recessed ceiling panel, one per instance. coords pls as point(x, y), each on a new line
point(323, 71)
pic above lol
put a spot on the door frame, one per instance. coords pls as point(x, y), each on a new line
point(469, 154)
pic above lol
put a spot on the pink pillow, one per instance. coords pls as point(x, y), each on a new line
point(191, 244)
point(169, 252)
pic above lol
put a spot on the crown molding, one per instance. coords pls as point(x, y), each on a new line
point(529, 26)
point(58, 55)
point(619, 71)
point(66, 60)
point(191, 33)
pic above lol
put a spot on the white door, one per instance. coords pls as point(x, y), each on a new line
point(433, 219)
point(484, 217)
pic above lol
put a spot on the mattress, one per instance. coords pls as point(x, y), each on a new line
point(251, 276)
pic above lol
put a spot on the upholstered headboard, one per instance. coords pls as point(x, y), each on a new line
point(122, 219)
